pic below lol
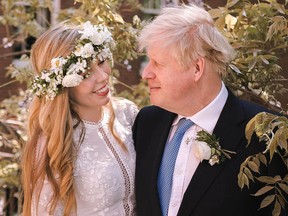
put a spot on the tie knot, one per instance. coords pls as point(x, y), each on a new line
point(184, 124)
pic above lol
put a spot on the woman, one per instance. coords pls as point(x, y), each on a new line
point(79, 159)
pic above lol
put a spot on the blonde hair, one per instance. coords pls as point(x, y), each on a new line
point(53, 120)
point(189, 33)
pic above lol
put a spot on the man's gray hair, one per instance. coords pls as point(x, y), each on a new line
point(188, 32)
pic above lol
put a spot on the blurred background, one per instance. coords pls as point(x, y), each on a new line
point(256, 29)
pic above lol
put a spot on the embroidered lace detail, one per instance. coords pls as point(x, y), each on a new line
point(123, 169)
point(90, 122)
point(103, 172)
point(125, 110)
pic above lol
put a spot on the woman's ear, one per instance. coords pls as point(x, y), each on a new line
point(199, 68)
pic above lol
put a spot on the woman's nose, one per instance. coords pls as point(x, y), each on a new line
point(100, 75)
point(103, 76)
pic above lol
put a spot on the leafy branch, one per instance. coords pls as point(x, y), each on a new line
point(273, 131)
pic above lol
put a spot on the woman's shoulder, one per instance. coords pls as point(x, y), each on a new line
point(125, 109)
point(122, 102)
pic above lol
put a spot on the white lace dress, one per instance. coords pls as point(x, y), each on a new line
point(104, 172)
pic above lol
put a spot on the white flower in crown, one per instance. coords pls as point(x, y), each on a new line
point(85, 51)
point(105, 53)
point(100, 38)
point(88, 50)
point(94, 44)
point(79, 51)
point(98, 35)
point(45, 76)
point(87, 31)
point(57, 62)
point(78, 66)
point(72, 80)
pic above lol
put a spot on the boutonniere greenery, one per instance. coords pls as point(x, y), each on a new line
point(207, 147)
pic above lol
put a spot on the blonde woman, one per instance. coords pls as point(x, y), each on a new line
point(79, 159)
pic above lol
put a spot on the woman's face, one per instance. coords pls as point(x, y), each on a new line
point(93, 91)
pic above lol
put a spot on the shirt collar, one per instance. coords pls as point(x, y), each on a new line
point(209, 115)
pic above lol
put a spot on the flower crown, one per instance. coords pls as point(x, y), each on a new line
point(94, 44)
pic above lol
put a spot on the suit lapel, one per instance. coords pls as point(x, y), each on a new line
point(229, 130)
point(159, 138)
point(158, 143)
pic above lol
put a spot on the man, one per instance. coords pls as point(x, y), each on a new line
point(187, 60)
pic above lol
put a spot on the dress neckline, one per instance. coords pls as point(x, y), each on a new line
point(91, 122)
point(103, 120)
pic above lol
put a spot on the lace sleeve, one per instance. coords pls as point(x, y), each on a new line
point(125, 110)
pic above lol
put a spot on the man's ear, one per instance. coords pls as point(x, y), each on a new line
point(199, 68)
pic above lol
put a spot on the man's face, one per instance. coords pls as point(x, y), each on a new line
point(171, 87)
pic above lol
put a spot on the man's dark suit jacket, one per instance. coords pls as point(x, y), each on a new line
point(213, 190)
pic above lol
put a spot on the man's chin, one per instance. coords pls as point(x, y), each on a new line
point(156, 102)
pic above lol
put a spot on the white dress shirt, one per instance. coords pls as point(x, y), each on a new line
point(186, 163)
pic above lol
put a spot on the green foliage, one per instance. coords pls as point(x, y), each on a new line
point(273, 131)
point(138, 93)
point(11, 139)
point(259, 33)
point(9, 173)
point(21, 72)
point(108, 13)
point(22, 15)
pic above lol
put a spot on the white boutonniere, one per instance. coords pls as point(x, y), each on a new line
point(207, 147)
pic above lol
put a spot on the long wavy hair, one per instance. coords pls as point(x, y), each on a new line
point(49, 152)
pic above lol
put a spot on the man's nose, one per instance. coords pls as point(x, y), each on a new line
point(147, 72)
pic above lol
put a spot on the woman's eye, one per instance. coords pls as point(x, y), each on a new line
point(87, 74)
point(101, 62)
